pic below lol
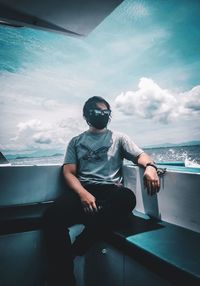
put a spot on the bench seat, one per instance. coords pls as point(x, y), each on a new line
point(171, 250)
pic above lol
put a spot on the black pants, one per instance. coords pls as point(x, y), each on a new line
point(117, 203)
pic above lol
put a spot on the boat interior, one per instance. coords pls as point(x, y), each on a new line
point(158, 245)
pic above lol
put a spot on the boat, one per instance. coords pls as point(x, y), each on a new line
point(159, 244)
point(164, 230)
point(3, 160)
point(72, 18)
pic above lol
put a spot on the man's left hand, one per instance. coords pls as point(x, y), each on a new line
point(151, 180)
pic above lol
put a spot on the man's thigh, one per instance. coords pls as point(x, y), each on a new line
point(114, 198)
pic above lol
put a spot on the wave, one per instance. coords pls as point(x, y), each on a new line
point(191, 163)
point(189, 155)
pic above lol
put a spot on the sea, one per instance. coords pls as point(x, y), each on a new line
point(189, 155)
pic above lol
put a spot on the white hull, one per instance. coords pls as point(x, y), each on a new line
point(177, 202)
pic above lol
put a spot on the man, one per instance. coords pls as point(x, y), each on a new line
point(96, 196)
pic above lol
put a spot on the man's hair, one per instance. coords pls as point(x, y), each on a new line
point(92, 102)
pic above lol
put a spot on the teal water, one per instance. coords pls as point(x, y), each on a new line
point(188, 155)
point(180, 158)
point(181, 169)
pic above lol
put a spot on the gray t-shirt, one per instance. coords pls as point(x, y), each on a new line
point(99, 156)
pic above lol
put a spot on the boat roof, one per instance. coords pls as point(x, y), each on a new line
point(75, 18)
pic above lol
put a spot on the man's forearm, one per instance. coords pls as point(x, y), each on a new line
point(151, 179)
point(87, 199)
point(143, 159)
point(74, 183)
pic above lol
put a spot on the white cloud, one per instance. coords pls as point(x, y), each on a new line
point(191, 100)
point(135, 47)
point(40, 86)
point(36, 134)
point(33, 124)
point(150, 101)
point(41, 138)
point(31, 116)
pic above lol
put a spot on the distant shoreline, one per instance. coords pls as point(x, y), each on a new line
point(12, 157)
point(37, 157)
point(170, 146)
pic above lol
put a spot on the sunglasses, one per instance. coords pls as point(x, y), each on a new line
point(97, 112)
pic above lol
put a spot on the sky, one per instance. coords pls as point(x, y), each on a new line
point(144, 58)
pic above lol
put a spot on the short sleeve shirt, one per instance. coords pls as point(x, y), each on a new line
point(99, 156)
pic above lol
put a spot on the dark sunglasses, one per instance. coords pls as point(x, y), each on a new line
point(97, 112)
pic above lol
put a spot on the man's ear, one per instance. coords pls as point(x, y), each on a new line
point(86, 119)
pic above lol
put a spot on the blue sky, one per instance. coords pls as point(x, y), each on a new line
point(144, 59)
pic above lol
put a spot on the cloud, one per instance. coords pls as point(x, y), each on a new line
point(33, 124)
point(37, 121)
point(41, 138)
point(36, 134)
point(150, 101)
point(191, 101)
point(40, 86)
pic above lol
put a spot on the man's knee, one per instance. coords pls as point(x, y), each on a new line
point(130, 198)
point(125, 199)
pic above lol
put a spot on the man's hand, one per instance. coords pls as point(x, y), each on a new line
point(151, 180)
point(88, 202)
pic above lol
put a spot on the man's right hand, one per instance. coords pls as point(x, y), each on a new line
point(88, 202)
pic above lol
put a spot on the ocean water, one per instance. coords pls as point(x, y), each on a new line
point(190, 155)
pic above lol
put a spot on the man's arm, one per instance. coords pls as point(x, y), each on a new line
point(151, 179)
point(87, 199)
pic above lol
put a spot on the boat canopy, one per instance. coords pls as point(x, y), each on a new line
point(74, 18)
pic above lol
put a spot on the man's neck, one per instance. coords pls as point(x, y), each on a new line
point(96, 131)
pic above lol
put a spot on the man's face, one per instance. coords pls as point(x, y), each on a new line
point(99, 116)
